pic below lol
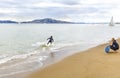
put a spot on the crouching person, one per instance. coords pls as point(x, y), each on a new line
point(115, 45)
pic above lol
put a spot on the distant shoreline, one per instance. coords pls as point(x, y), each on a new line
point(48, 21)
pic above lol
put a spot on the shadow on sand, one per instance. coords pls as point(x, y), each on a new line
point(113, 52)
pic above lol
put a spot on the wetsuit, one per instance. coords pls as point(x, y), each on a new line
point(114, 46)
point(50, 40)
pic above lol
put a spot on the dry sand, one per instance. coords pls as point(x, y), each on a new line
point(93, 63)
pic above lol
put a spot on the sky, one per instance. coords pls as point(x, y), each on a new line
point(67, 10)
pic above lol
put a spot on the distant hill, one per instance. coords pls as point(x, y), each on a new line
point(7, 21)
point(41, 21)
point(47, 21)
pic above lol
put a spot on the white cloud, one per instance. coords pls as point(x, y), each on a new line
point(8, 10)
point(49, 4)
point(106, 2)
point(72, 10)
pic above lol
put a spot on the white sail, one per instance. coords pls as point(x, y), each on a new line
point(111, 22)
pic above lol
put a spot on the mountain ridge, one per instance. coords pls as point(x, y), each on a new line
point(7, 21)
point(46, 21)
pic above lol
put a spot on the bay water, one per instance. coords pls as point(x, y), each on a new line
point(23, 46)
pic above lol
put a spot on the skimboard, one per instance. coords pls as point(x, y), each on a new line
point(107, 49)
point(44, 45)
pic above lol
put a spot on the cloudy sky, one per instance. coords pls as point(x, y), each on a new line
point(69, 10)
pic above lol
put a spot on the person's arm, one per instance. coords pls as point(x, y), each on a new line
point(48, 38)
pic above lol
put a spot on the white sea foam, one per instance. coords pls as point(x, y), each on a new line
point(22, 56)
point(19, 71)
point(29, 64)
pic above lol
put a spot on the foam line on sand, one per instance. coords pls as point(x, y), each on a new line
point(93, 63)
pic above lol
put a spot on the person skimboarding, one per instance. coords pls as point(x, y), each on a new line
point(50, 40)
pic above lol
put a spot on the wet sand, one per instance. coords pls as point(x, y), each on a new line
point(92, 63)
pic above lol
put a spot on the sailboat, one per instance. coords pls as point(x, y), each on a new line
point(111, 22)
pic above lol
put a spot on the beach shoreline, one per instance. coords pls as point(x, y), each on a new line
point(92, 63)
point(23, 54)
point(38, 61)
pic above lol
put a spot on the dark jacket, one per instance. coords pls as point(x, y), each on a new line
point(115, 45)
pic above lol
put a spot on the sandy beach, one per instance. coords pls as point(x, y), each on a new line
point(93, 63)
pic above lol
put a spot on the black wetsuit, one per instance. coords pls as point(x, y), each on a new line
point(50, 40)
point(114, 46)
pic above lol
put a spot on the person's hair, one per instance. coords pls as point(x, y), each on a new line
point(113, 39)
